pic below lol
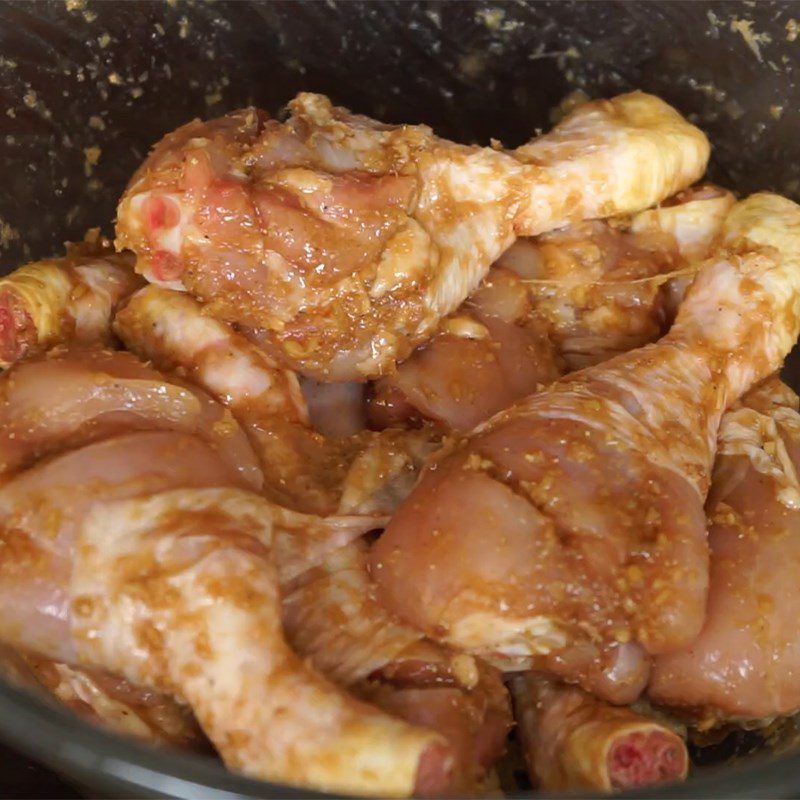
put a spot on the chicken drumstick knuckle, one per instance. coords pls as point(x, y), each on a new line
point(63, 300)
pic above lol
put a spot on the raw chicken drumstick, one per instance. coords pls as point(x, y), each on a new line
point(330, 614)
point(106, 699)
point(302, 469)
point(143, 554)
point(364, 474)
point(582, 294)
point(341, 242)
point(332, 618)
point(568, 532)
point(606, 287)
point(484, 357)
point(745, 664)
point(171, 328)
point(63, 300)
point(574, 741)
point(268, 713)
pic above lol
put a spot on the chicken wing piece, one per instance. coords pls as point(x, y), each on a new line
point(574, 741)
point(342, 241)
point(302, 469)
point(745, 662)
point(576, 518)
point(63, 300)
point(106, 700)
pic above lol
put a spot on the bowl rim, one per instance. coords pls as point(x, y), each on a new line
point(90, 755)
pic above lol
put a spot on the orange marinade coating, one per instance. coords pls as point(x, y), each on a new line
point(341, 242)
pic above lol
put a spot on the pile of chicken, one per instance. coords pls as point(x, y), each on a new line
point(363, 437)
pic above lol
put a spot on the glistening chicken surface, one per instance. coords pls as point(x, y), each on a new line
point(363, 434)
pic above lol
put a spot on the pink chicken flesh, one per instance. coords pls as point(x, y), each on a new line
point(745, 664)
point(144, 554)
point(329, 611)
point(340, 242)
point(482, 359)
point(101, 393)
point(569, 531)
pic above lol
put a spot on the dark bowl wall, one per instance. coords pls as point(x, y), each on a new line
point(86, 87)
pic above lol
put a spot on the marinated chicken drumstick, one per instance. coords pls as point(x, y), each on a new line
point(745, 664)
point(573, 741)
point(141, 554)
point(63, 300)
point(568, 532)
point(268, 713)
point(341, 242)
point(329, 610)
point(563, 300)
point(303, 470)
point(190, 532)
point(332, 618)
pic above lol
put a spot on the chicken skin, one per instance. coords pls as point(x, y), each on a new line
point(569, 529)
point(341, 242)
